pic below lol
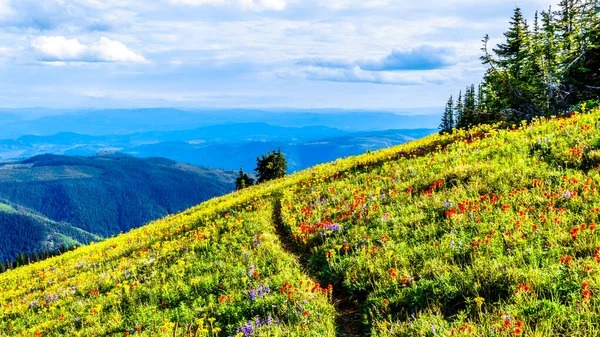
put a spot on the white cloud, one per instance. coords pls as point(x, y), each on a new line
point(347, 4)
point(255, 5)
point(358, 75)
point(60, 49)
point(5, 9)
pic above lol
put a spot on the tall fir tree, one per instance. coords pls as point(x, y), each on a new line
point(458, 112)
point(448, 117)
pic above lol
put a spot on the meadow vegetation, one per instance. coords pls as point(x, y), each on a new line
point(480, 232)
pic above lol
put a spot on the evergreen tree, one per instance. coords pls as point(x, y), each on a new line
point(448, 117)
point(537, 71)
point(270, 166)
point(458, 111)
point(549, 60)
point(513, 52)
point(243, 181)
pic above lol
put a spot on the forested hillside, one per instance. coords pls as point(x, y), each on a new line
point(485, 232)
point(24, 233)
point(102, 195)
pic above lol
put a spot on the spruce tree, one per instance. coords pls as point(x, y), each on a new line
point(243, 180)
point(513, 52)
point(448, 117)
point(458, 111)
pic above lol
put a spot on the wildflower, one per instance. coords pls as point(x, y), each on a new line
point(246, 330)
point(587, 294)
point(333, 227)
point(305, 313)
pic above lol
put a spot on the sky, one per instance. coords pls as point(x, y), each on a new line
point(349, 54)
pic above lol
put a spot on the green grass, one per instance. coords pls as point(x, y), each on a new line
point(484, 232)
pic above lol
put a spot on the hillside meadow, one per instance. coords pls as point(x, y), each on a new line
point(485, 232)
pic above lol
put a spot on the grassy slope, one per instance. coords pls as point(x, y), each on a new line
point(467, 234)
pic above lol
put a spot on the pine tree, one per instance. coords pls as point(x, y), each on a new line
point(458, 112)
point(270, 166)
point(544, 69)
point(513, 53)
point(549, 59)
point(243, 180)
point(448, 117)
point(566, 20)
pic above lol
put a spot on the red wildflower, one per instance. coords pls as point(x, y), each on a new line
point(587, 294)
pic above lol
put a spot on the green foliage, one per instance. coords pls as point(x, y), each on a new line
point(492, 235)
point(481, 232)
point(448, 118)
point(102, 195)
point(270, 166)
point(540, 70)
point(243, 180)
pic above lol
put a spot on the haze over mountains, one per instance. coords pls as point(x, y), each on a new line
point(224, 139)
point(19, 122)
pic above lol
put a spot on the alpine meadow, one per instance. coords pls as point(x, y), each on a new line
point(489, 227)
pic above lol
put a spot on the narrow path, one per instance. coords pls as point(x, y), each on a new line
point(348, 319)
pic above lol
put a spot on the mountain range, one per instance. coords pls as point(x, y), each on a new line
point(45, 122)
point(226, 146)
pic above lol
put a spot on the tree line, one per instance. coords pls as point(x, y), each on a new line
point(23, 259)
point(544, 68)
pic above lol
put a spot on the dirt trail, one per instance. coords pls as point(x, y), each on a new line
point(348, 320)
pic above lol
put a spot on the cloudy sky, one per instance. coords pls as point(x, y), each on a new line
point(355, 54)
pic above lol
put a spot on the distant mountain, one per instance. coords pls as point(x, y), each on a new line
point(103, 122)
point(299, 155)
point(50, 200)
point(69, 143)
point(224, 146)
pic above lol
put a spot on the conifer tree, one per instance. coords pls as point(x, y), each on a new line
point(448, 117)
point(540, 70)
point(243, 180)
point(270, 166)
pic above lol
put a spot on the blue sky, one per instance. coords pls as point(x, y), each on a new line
point(353, 54)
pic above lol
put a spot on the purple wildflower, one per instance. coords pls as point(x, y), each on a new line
point(246, 329)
